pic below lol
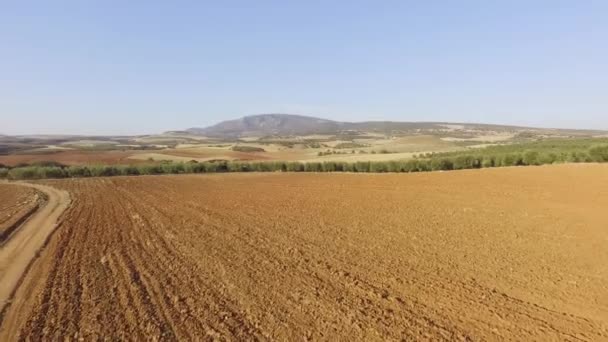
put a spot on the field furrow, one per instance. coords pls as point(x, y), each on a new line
point(514, 253)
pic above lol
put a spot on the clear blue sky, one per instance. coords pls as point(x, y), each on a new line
point(124, 67)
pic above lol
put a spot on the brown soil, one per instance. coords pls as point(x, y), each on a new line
point(22, 246)
point(217, 154)
point(494, 254)
point(73, 157)
point(16, 203)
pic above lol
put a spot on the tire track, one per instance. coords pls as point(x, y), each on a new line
point(17, 253)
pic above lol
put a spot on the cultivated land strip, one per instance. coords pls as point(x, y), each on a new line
point(24, 243)
point(496, 254)
point(17, 203)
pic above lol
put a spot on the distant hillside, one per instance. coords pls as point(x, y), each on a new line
point(269, 124)
point(290, 125)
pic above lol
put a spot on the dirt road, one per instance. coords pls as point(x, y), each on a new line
point(17, 203)
point(23, 245)
point(494, 254)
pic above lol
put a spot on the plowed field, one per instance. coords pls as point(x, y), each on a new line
point(16, 202)
point(514, 253)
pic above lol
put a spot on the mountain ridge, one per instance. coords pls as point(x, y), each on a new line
point(292, 124)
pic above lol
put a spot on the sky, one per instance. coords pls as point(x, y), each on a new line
point(136, 67)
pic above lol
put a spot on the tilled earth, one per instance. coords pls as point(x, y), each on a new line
point(16, 202)
point(513, 253)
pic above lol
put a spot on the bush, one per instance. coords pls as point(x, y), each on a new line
point(378, 167)
point(36, 172)
point(361, 166)
point(128, 170)
point(442, 164)
point(3, 172)
point(149, 169)
point(467, 162)
point(329, 166)
point(26, 172)
point(295, 167)
point(395, 166)
point(599, 153)
point(240, 148)
point(313, 167)
point(509, 160)
point(548, 158)
point(172, 168)
point(531, 158)
point(488, 162)
point(411, 165)
point(78, 171)
point(104, 171)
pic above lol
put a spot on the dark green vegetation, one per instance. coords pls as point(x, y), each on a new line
point(535, 153)
point(240, 148)
point(349, 145)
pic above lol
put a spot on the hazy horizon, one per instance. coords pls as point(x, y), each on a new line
point(114, 68)
point(312, 116)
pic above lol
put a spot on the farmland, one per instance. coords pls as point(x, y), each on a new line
point(510, 253)
point(16, 203)
point(277, 137)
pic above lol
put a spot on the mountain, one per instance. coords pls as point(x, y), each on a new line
point(269, 124)
point(294, 125)
point(289, 124)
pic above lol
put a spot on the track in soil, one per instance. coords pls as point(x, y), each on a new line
point(22, 246)
point(17, 203)
point(515, 253)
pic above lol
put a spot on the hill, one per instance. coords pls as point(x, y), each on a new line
point(295, 125)
point(269, 124)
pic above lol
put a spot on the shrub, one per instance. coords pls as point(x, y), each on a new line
point(241, 148)
point(467, 162)
point(51, 172)
point(78, 171)
point(349, 145)
point(548, 158)
point(329, 166)
point(361, 166)
point(313, 167)
point(172, 168)
point(442, 164)
point(378, 167)
point(531, 158)
point(395, 166)
point(488, 162)
point(149, 169)
point(411, 165)
point(35, 172)
point(3, 172)
point(128, 170)
point(104, 171)
point(599, 153)
point(346, 167)
point(295, 167)
point(424, 165)
point(26, 172)
point(508, 160)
